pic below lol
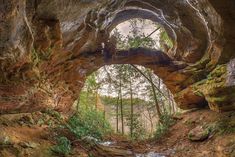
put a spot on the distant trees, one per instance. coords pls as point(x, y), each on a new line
point(128, 86)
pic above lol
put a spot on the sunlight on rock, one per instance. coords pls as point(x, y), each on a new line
point(107, 143)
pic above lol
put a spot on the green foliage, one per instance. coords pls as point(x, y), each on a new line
point(138, 131)
point(88, 95)
point(135, 39)
point(89, 123)
point(198, 93)
point(63, 146)
point(140, 41)
point(126, 101)
point(50, 117)
point(86, 100)
point(138, 38)
point(165, 39)
point(222, 127)
point(91, 85)
point(218, 72)
point(54, 114)
point(165, 123)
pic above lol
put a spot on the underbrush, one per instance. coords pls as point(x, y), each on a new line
point(138, 130)
point(223, 126)
point(90, 123)
point(162, 128)
point(63, 146)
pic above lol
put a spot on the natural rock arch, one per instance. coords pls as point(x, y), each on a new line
point(49, 47)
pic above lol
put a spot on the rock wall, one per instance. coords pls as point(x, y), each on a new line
point(47, 48)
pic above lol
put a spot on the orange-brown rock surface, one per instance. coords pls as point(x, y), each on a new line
point(47, 48)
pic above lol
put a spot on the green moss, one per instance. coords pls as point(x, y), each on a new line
point(218, 71)
point(200, 94)
point(190, 136)
point(35, 57)
point(38, 57)
point(216, 79)
point(197, 88)
point(199, 136)
point(217, 99)
point(200, 83)
point(166, 39)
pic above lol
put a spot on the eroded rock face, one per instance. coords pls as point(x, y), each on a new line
point(47, 48)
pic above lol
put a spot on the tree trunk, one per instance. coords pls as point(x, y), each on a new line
point(132, 109)
point(154, 95)
point(148, 79)
point(163, 104)
point(153, 86)
point(96, 101)
point(87, 98)
point(171, 107)
point(151, 121)
point(117, 108)
point(121, 105)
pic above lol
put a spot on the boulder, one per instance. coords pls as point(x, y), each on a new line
point(198, 134)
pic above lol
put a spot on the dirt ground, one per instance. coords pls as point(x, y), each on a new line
point(220, 143)
point(31, 135)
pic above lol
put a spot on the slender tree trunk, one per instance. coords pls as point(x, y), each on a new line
point(132, 109)
point(163, 105)
point(174, 108)
point(151, 121)
point(121, 105)
point(159, 83)
point(154, 95)
point(169, 101)
point(96, 101)
point(104, 118)
point(147, 78)
point(87, 98)
point(162, 102)
point(77, 106)
point(117, 108)
point(153, 86)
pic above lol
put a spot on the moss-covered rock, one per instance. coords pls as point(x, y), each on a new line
point(219, 95)
point(199, 134)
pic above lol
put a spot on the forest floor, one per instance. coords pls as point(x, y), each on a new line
point(32, 135)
